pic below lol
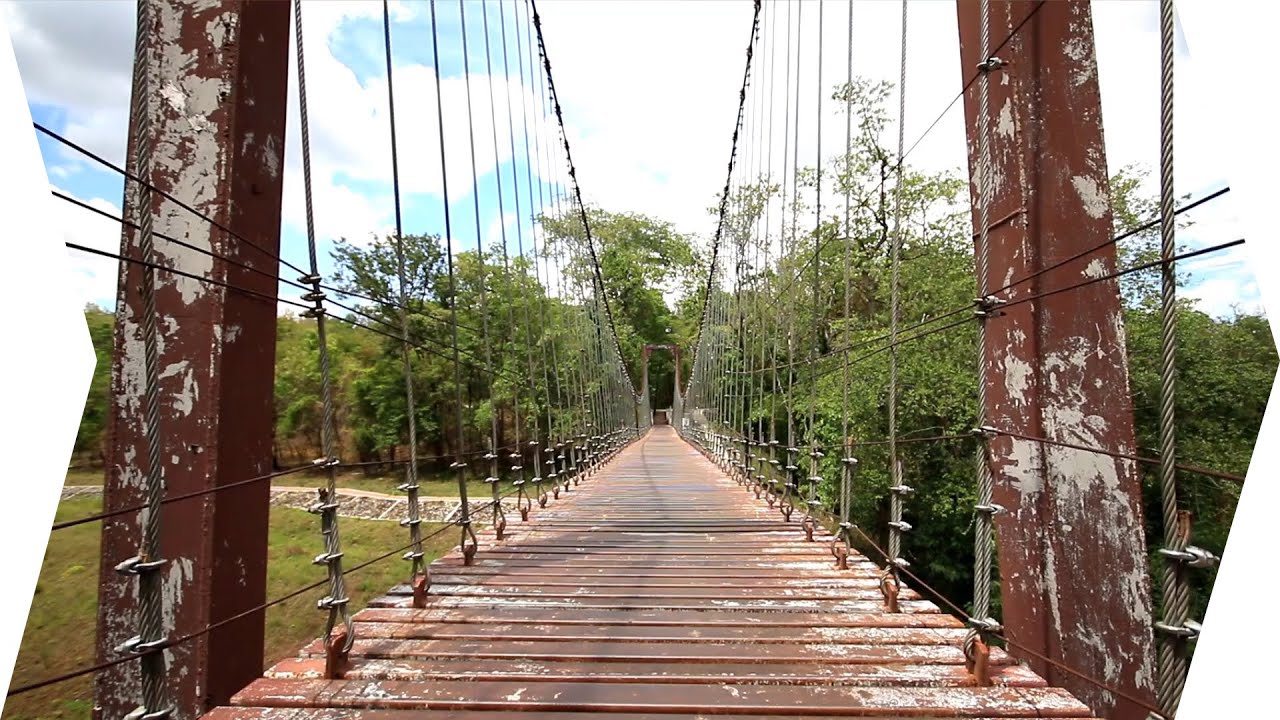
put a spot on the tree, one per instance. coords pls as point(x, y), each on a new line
point(642, 261)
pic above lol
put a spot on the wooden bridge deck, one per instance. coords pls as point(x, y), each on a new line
point(657, 589)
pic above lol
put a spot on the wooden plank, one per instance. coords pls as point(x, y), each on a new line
point(905, 675)
point(533, 632)
point(800, 701)
point(657, 612)
point(656, 618)
point(608, 651)
point(257, 713)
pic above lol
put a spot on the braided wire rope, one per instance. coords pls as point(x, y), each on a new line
point(468, 550)
point(898, 489)
point(336, 602)
point(148, 562)
point(984, 541)
point(493, 477)
point(814, 478)
point(1172, 661)
point(848, 463)
point(535, 440)
point(410, 485)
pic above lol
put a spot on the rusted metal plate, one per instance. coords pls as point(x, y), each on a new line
point(218, 81)
point(1073, 560)
point(563, 621)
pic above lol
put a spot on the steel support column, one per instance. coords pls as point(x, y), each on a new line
point(1072, 555)
point(219, 80)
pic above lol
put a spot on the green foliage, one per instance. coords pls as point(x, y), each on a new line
point(93, 423)
point(794, 304)
point(531, 341)
point(642, 260)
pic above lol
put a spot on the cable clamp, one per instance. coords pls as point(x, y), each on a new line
point(986, 625)
point(322, 506)
point(991, 63)
point(141, 713)
point(986, 432)
point(989, 509)
point(135, 646)
point(457, 464)
point(136, 565)
point(986, 306)
point(326, 461)
point(1189, 630)
point(850, 461)
point(329, 603)
point(900, 526)
point(326, 558)
point(1192, 556)
point(900, 563)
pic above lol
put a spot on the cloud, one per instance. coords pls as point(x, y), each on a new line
point(648, 92)
point(95, 275)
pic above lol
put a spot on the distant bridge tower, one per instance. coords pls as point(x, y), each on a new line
point(644, 377)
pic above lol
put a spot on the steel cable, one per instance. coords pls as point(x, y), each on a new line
point(336, 602)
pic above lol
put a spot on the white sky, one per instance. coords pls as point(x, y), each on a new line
point(649, 92)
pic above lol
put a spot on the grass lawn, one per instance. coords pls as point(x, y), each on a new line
point(61, 625)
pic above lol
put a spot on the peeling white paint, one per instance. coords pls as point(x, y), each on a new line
point(1095, 269)
point(271, 156)
point(1024, 468)
point(1092, 196)
point(178, 574)
point(1017, 375)
point(1006, 125)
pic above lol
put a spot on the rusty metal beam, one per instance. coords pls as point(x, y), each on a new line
point(219, 78)
point(1072, 554)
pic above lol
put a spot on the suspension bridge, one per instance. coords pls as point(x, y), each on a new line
point(708, 563)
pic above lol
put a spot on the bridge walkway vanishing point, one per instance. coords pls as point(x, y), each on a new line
point(659, 588)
